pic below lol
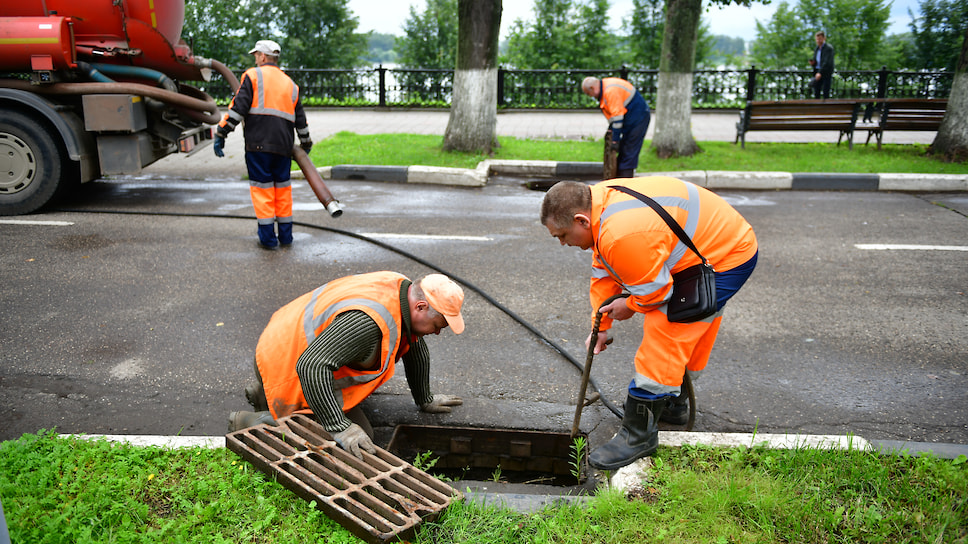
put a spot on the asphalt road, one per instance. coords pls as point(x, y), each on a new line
point(138, 312)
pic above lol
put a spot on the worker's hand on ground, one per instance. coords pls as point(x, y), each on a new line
point(354, 439)
point(306, 144)
point(218, 145)
point(602, 342)
point(441, 404)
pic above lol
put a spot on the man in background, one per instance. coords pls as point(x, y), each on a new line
point(268, 101)
point(823, 66)
point(628, 118)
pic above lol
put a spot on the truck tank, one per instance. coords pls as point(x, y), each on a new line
point(90, 88)
point(143, 33)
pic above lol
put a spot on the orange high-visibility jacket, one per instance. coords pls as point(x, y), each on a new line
point(635, 250)
point(293, 327)
point(268, 102)
point(616, 95)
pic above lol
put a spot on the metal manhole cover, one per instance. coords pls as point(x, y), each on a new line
point(379, 500)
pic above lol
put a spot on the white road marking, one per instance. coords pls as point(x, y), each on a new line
point(397, 236)
point(31, 222)
point(911, 247)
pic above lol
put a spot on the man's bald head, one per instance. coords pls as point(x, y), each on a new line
point(591, 86)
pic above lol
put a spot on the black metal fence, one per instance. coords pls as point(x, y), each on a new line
point(560, 89)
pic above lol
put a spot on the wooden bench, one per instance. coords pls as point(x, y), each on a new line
point(900, 114)
point(839, 115)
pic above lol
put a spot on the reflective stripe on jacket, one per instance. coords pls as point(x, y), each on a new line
point(293, 327)
point(635, 250)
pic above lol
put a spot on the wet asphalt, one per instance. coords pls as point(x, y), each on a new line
point(135, 308)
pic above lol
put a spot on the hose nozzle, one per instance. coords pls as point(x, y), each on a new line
point(334, 209)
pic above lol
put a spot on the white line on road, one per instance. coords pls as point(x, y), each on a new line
point(911, 247)
point(30, 222)
point(425, 237)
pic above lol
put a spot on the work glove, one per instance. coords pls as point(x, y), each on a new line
point(613, 145)
point(353, 439)
point(441, 404)
point(306, 143)
point(218, 145)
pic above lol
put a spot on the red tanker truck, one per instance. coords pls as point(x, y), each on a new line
point(90, 88)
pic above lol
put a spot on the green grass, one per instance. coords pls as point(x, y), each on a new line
point(68, 490)
point(425, 150)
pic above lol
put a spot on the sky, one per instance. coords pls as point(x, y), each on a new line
point(388, 16)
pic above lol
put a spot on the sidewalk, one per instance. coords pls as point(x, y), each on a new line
point(706, 126)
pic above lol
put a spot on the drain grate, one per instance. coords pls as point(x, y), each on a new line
point(382, 499)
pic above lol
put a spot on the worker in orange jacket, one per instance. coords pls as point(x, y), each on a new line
point(634, 251)
point(332, 347)
point(628, 118)
point(268, 101)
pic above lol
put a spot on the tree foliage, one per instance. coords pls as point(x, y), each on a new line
point(644, 27)
point(312, 33)
point(430, 37)
point(938, 33)
point(857, 30)
point(570, 34)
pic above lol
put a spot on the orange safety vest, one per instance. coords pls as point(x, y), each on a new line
point(273, 93)
point(294, 326)
point(635, 250)
point(616, 95)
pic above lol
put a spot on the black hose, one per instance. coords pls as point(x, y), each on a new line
point(410, 256)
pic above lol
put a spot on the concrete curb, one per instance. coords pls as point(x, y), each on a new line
point(711, 179)
point(666, 438)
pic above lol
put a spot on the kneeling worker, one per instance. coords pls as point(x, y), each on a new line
point(331, 348)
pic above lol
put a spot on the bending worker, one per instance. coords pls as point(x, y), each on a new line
point(268, 101)
point(628, 116)
point(331, 348)
point(635, 251)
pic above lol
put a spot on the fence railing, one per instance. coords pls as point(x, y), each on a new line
point(560, 89)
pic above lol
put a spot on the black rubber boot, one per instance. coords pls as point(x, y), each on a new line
point(625, 173)
point(256, 395)
point(244, 420)
point(676, 411)
point(638, 437)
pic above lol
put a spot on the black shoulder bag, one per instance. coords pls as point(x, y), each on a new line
point(693, 289)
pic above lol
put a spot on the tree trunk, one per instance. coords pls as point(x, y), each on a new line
point(473, 113)
point(673, 109)
point(951, 142)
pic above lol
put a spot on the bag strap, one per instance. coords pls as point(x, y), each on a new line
point(665, 216)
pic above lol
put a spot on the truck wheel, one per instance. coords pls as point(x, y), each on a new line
point(30, 164)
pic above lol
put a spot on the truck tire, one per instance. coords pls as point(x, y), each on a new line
point(30, 164)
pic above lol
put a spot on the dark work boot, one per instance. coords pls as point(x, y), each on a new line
point(676, 411)
point(638, 437)
point(256, 395)
point(625, 173)
point(244, 420)
point(267, 236)
point(285, 234)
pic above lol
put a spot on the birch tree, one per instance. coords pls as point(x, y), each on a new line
point(951, 142)
point(473, 112)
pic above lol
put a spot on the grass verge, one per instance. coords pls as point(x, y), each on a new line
point(58, 490)
point(425, 150)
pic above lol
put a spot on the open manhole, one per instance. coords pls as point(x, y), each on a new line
point(498, 455)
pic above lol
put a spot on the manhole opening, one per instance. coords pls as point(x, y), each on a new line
point(500, 455)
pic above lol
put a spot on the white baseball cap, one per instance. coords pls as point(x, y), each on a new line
point(268, 47)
